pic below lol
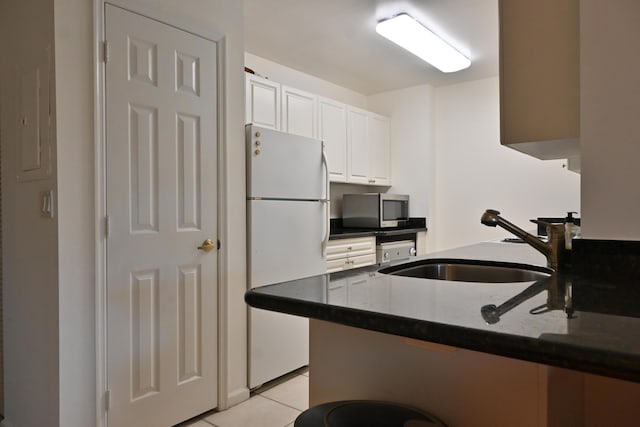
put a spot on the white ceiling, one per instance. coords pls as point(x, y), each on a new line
point(335, 40)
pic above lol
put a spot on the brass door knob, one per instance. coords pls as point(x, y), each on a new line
point(207, 245)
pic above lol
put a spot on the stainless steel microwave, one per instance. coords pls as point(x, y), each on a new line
point(375, 210)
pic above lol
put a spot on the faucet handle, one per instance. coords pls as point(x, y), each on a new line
point(547, 223)
point(553, 229)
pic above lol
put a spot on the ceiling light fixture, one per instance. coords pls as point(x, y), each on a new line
point(408, 33)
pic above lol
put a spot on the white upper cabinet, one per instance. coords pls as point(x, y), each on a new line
point(356, 141)
point(299, 114)
point(262, 102)
point(380, 169)
point(332, 129)
point(358, 145)
point(368, 147)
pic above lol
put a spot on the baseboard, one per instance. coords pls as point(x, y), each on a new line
point(235, 397)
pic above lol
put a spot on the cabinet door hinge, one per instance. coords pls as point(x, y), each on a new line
point(105, 51)
point(107, 226)
point(107, 400)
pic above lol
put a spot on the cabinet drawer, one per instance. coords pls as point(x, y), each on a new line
point(347, 263)
point(362, 260)
point(338, 264)
point(350, 247)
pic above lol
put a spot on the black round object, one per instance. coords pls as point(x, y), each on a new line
point(365, 413)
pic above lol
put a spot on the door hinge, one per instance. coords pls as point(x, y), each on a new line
point(107, 400)
point(105, 51)
point(107, 226)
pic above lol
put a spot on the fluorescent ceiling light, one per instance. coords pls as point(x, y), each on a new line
point(413, 36)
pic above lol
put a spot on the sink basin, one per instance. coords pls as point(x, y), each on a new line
point(457, 270)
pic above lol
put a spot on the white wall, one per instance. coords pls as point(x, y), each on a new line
point(413, 148)
point(76, 275)
point(609, 126)
point(474, 172)
point(49, 265)
point(30, 251)
point(447, 155)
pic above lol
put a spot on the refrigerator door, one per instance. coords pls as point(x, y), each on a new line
point(278, 344)
point(285, 243)
point(284, 166)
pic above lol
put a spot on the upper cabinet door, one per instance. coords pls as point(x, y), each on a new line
point(357, 142)
point(262, 102)
point(299, 112)
point(380, 169)
point(539, 77)
point(358, 159)
point(332, 129)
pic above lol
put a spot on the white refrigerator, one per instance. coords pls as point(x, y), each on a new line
point(288, 228)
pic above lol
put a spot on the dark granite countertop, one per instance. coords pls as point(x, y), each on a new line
point(583, 322)
point(338, 232)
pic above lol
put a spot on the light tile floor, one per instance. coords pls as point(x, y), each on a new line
point(276, 404)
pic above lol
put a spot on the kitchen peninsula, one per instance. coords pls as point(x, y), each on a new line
point(425, 342)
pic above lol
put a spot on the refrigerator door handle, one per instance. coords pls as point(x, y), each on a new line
point(327, 203)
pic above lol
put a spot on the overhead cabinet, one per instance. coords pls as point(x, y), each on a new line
point(262, 102)
point(299, 114)
point(332, 129)
point(369, 149)
point(356, 141)
point(380, 150)
point(358, 145)
point(539, 77)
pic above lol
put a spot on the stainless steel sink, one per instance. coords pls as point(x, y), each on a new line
point(469, 271)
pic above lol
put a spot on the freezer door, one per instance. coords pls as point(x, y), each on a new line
point(284, 166)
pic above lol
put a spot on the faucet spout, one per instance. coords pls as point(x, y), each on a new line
point(554, 250)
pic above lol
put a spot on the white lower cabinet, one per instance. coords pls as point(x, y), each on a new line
point(344, 254)
point(421, 243)
point(337, 292)
point(343, 291)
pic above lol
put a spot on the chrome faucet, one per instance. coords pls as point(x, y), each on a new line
point(554, 249)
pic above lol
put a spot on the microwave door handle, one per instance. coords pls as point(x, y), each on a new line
point(327, 203)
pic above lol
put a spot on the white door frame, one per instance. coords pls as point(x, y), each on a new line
point(202, 30)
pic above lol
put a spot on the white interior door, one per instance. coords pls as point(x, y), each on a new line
point(161, 145)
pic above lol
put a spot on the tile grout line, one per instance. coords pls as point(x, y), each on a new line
point(282, 403)
point(270, 399)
